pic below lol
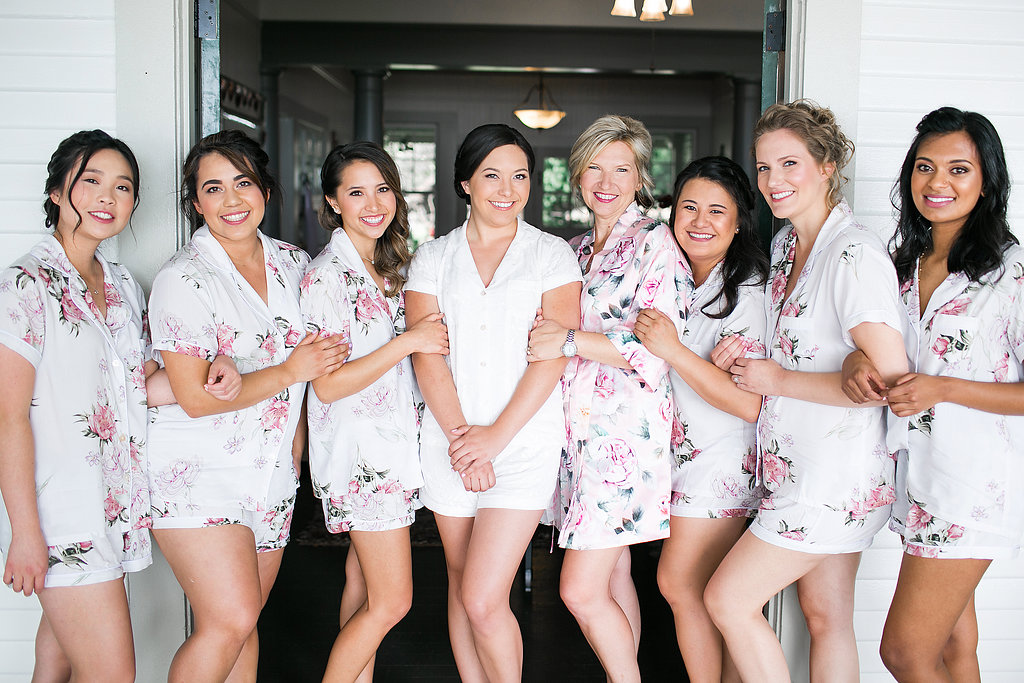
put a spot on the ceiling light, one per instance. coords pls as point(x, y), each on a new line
point(542, 116)
point(653, 10)
point(682, 7)
point(624, 8)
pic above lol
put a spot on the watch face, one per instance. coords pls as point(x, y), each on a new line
point(569, 349)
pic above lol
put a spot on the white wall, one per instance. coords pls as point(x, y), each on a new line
point(881, 65)
point(123, 66)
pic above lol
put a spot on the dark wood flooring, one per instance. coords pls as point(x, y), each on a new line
point(300, 621)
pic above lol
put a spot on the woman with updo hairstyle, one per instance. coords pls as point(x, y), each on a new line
point(959, 471)
point(615, 480)
point(73, 365)
point(363, 421)
point(493, 429)
point(223, 473)
point(823, 460)
point(714, 484)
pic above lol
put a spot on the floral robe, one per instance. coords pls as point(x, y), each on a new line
point(88, 411)
point(813, 454)
point(966, 466)
point(201, 306)
point(615, 478)
point(366, 442)
point(714, 452)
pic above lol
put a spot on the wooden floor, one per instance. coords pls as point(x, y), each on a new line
point(299, 622)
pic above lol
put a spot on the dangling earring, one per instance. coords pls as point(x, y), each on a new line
point(737, 231)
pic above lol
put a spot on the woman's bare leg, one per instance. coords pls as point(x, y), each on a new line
point(931, 598)
point(219, 572)
point(456, 533)
point(268, 564)
point(826, 599)
point(52, 666)
point(689, 557)
point(586, 590)
point(624, 593)
point(386, 563)
point(93, 629)
point(353, 597)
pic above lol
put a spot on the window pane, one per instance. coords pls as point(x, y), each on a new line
point(415, 152)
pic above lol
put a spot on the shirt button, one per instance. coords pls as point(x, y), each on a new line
point(483, 292)
point(483, 364)
point(483, 327)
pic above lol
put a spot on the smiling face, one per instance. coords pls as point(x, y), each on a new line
point(610, 182)
point(104, 197)
point(366, 204)
point(706, 223)
point(947, 180)
point(794, 184)
point(228, 199)
point(500, 186)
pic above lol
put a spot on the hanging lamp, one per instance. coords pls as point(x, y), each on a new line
point(684, 7)
point(624, 8)
point(653, 10)
point(543, 116)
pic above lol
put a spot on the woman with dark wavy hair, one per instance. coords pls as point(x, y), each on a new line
point(363, 422)
point(714, 487)
point(958, 496)
point(223, 473)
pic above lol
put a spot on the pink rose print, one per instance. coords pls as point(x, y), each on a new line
point(954, 531)
point(749, 461)
point(182, 474)
point(956, 306)
point(225, 340)
point(905, 287)
point(940, 346)
point(71, 312)
point(775, 470)
point(649, 292)
point(111, 508)
point(85, 545)
point(792, 309)
point(678, 432)
point(292, 338)
point(794, 534)
point(786, 345)
point(366, 308)
point(621, 257)
point(1002, 370)
point(736, 512)
point(917, 518)
point(269, 344)
point(275, 415)
point(617, 463)
point(189, 350)
point(101, 423)
point(778, 287)
point(604, 384)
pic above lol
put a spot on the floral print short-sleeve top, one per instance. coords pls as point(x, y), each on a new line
point(88, 411)
point(201, 306)
point(379, 424)
point(811, 453)
point(967, 466)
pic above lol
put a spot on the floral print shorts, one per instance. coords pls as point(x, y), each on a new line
point(81, 563)
point(816, 528)
point(271, 526)
point(370, 505)
point(925, 535)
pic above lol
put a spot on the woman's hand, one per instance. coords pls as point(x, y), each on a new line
point(27, 562)
point(429, 335)
point(757, 375)
point(546, 340)
point(481, 480)
point(473, 446)
point(223, 382)
point(726, 353)
point(862, 382)
point(655, 331)
point(914, 393)
point(316, 356)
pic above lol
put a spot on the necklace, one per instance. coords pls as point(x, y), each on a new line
point(368, 260)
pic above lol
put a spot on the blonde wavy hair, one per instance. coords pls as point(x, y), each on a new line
point(601, 133)
point(819, 130)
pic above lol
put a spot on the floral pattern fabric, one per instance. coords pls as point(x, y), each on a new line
point(812, 454)
point(201, 306)
point(373, 432)
point(88, 412)
point(714, 472)
point(966, 466)
point(616, 473)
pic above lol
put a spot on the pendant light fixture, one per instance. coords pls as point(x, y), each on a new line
point(543, 116)
point(653, 10)
point(682, 7)
point(624, 8)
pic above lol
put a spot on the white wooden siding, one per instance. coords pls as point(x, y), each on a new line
point(56, 77)
point(917, 55)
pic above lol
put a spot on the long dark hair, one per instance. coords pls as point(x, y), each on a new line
point(243, 152)
point(480, 142)
point(391, 252)
point(978, 247)
point(68, 162)
point(744, 258)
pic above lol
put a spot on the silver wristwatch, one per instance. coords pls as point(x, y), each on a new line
point(569, 347)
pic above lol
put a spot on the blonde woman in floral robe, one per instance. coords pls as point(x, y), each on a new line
point(73, 344)
point(616, 475)
point(363, 417)
point(823, 459)
point(959, 473)
point(224, 473)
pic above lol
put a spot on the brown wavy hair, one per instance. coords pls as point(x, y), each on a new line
point(391, 252)
point(819, 130)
